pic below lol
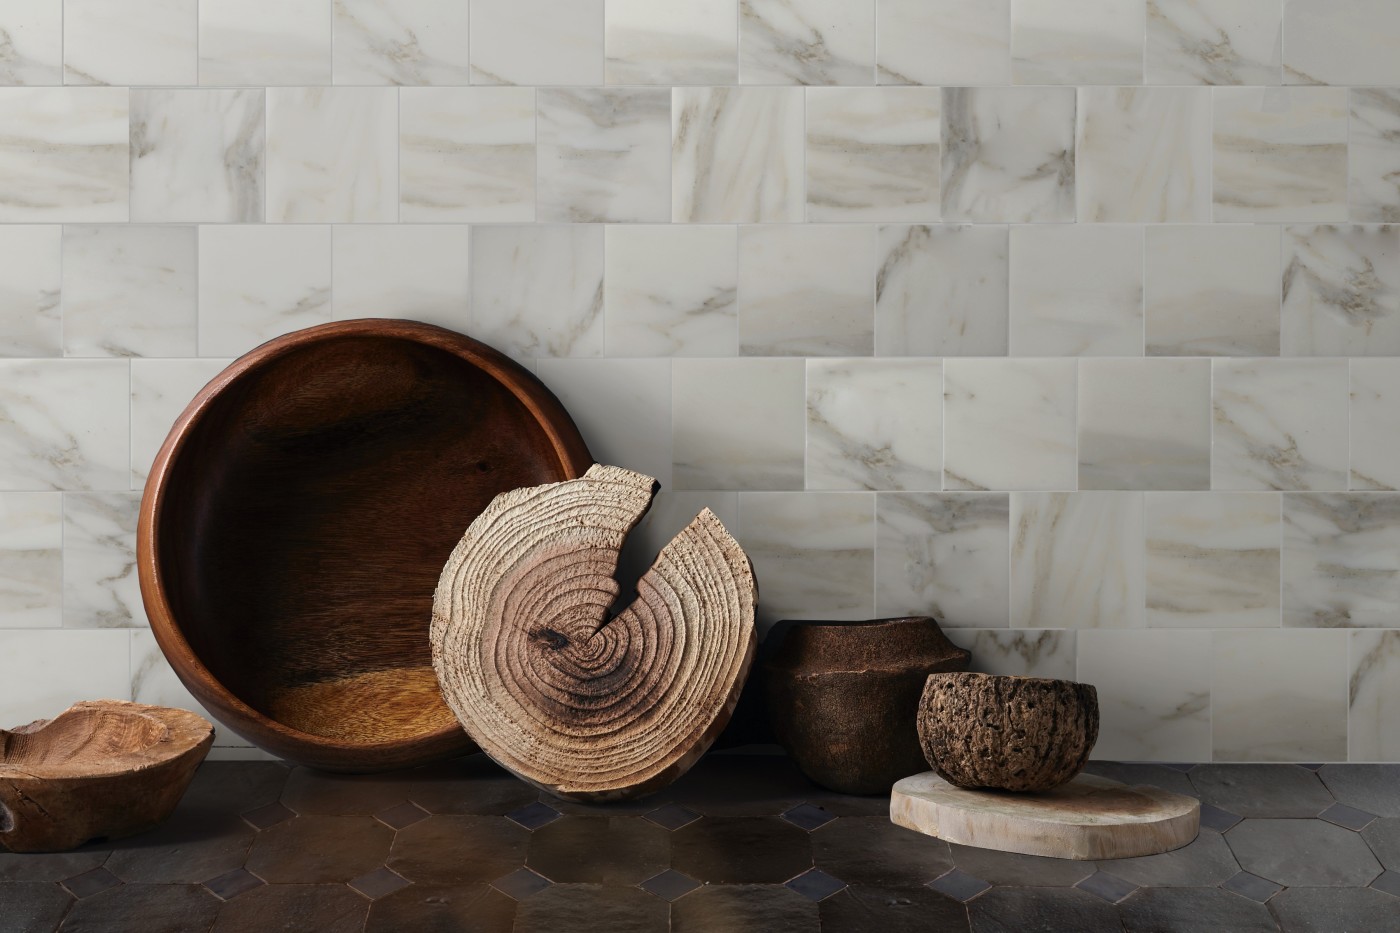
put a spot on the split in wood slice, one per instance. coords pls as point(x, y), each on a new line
point(579, 702)
point(100, 770)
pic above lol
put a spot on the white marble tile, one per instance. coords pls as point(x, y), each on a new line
point(1214, 41)
point(407, 42)
point(1341, 560)
point(1019, 652)
point(872, 154)
point(408, 271)
point(670, 290)
point(256, 282)
point(332, 155)
point(130, 41)
point(1372, 728)
point(813, 554)
point(197, 155)
point(736, 155)
point(1076, 290)
point(672, 41)
point(669, 513)
point(1154, 693)
point(31, 559)
point(738, 424)
point(537, 42)
point(806, 290)
point(467, 154)
point(1279, 424)
point(264, 42)
point(1374, 153)
point(937, 42)
point(943, 554)
point(30, 281)
point(1341, 43)
point(1144, 424)
point(604, 155)
point(31, 42)
point(1212, 290)
point(1077, 41)
point(1279, 696)
point(1076, 560)
point(100, 586)
point(1375, 424)
point(807, 41)
point(622, 408)
point(64, 424)
point(63, 156)
point(129, 290)
point(1341, 291)
point(1008, 154)
point(160, 390)
point(1280, 154)
point(538, 291)
point(1143, 155)
point(153, 680)
point(1009, 424)
point(942, 291)
point(45, 672)
point(1212, 559)
point(874, 424)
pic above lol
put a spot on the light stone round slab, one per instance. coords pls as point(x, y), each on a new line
point(1088, 818)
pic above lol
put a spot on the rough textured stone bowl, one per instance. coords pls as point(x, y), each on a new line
point(1012, 733)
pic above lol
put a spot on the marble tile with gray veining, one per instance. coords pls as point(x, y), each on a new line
point(807, 42)
point(1373, 729)
point(1076, 560)
point(538, 42)
point(1279, 696)
point(538, 291)
point(736, 155)
point(941, 291)
point(805, 290)
point(332, 155)
point(63, 155)
point(872, 154)
point(945, 555)
point(1077, 41)
point(100, 585)
point(153, 681)
point(1009, 424)
point(30, 282)
point(31, 43)
point(412, 271)
point(1341, 560)
point(197, 155)
point(1214, 42)
point(874, 424)
point(1279, 424)
point(1212, 290)
point(670, 290)
point(467, 154)
point(672, 41)
point(264, 42)
point(738, 424)
point(1020, 652)
point(1341, 43)
point(1374, 152)
point(1341, 290)
point(160, 390)
point(1076, 290)
point(1154, 693)
point(604, 155)
point(1375, 424)
point(256, 282)
point(670, 512)
point(943, 42)
point(31, 559)
point(1144, 424)
point(45, 671)
point(1143, 155)
point(1008, 154)
point(129, 290)
point(130, 41)
point(1280, 154)
point(64, 424)
point(405, 42)
point(1212, 559)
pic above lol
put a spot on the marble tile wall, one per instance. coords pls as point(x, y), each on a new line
point(1075, 323)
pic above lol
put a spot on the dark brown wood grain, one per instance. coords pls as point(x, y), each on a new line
point(297, 518)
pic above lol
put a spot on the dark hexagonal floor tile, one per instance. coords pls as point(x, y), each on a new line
point(294, 908)
point(1205, 862)
point(443, 908)
point(401, 815)
point(672, 816)
point(1307, 853)
point(1012, 868)
point(1367, 787)
point(1387, 881)
point(91, 882)
point(236, 786)
point(736, 850)
point(268, 816)
point(743, 785)
point(880, 909)
point(816, 884)
point(50, 866)
point(147, 908)
point(1383, 836)
point(319, 849)
point(807, 816)
point(958, 885)
point(233, 883)
point(534, 815)
point(1218, 820)
point(32, 905)
point(183, 850)
point(669, 885)
point(1142, 773)
point(1251, 886)
point(743, 907)
point(459, 849)
point(474, 785)
point(600, 850)
point(521, 884)
point(1262, 790)
point(1042, 910)
point(584, 908)
point(379, 883)
point(1207, 910)
point(326, 793)
point(1339, 814)
point(1109, 887)
point(1333, 910)
point(873, 851)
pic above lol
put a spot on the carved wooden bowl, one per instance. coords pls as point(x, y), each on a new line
point(99, 770)
point(297, 518)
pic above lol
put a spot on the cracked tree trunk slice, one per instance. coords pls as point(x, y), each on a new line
point(580, 702)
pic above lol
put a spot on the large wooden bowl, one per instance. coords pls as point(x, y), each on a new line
point(297, 518)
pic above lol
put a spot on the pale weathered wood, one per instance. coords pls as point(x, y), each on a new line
point(1088, 818)
point(553, 686)
point(99, 770)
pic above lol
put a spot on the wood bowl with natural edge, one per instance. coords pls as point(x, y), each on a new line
point(100, 770)
point(298, 516)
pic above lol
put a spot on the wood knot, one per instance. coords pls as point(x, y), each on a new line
point(555, 640)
